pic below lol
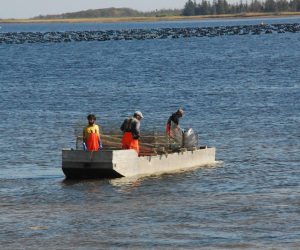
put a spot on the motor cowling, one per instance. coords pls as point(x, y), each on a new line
point(190, 138)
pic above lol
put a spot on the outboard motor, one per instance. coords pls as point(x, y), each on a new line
point(190, 138)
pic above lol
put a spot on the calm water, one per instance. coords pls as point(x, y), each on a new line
point(241, 93)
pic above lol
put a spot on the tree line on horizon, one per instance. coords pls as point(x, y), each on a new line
point(192, 8)
point(112, 12)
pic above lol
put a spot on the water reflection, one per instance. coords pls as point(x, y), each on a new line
point(127, 183)
point(87, 182)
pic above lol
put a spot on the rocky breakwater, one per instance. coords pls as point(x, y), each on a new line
point(143, 34)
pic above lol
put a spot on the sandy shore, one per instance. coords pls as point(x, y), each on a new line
point(151, 19)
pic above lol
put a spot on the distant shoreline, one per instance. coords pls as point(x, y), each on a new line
point(152, 19)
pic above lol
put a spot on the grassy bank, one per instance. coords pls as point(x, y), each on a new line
point(151, 19)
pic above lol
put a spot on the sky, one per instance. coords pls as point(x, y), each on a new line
point(32, 8)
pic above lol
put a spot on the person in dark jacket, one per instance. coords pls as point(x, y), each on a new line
point(172, 127)
point(131, 129)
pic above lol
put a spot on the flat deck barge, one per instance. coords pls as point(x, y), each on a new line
point(80, 164)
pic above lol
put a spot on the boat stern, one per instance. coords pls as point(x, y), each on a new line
point(79, 164)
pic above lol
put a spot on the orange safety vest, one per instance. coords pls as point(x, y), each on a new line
point(129, 143)
point(92, 142)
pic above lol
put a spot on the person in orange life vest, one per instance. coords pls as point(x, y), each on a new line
point(91, 134)
point(131, 130)
point(172, 127)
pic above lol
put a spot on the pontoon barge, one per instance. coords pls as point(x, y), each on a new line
point(79, 164)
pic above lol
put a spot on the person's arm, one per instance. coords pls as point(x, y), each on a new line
point(136, 130)
point(100, 142)
point(98, 131)
point(123, 125)
point(175, 121)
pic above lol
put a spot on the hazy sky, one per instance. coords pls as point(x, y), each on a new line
point(31, 8)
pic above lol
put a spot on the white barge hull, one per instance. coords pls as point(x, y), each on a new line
point(79, 164)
